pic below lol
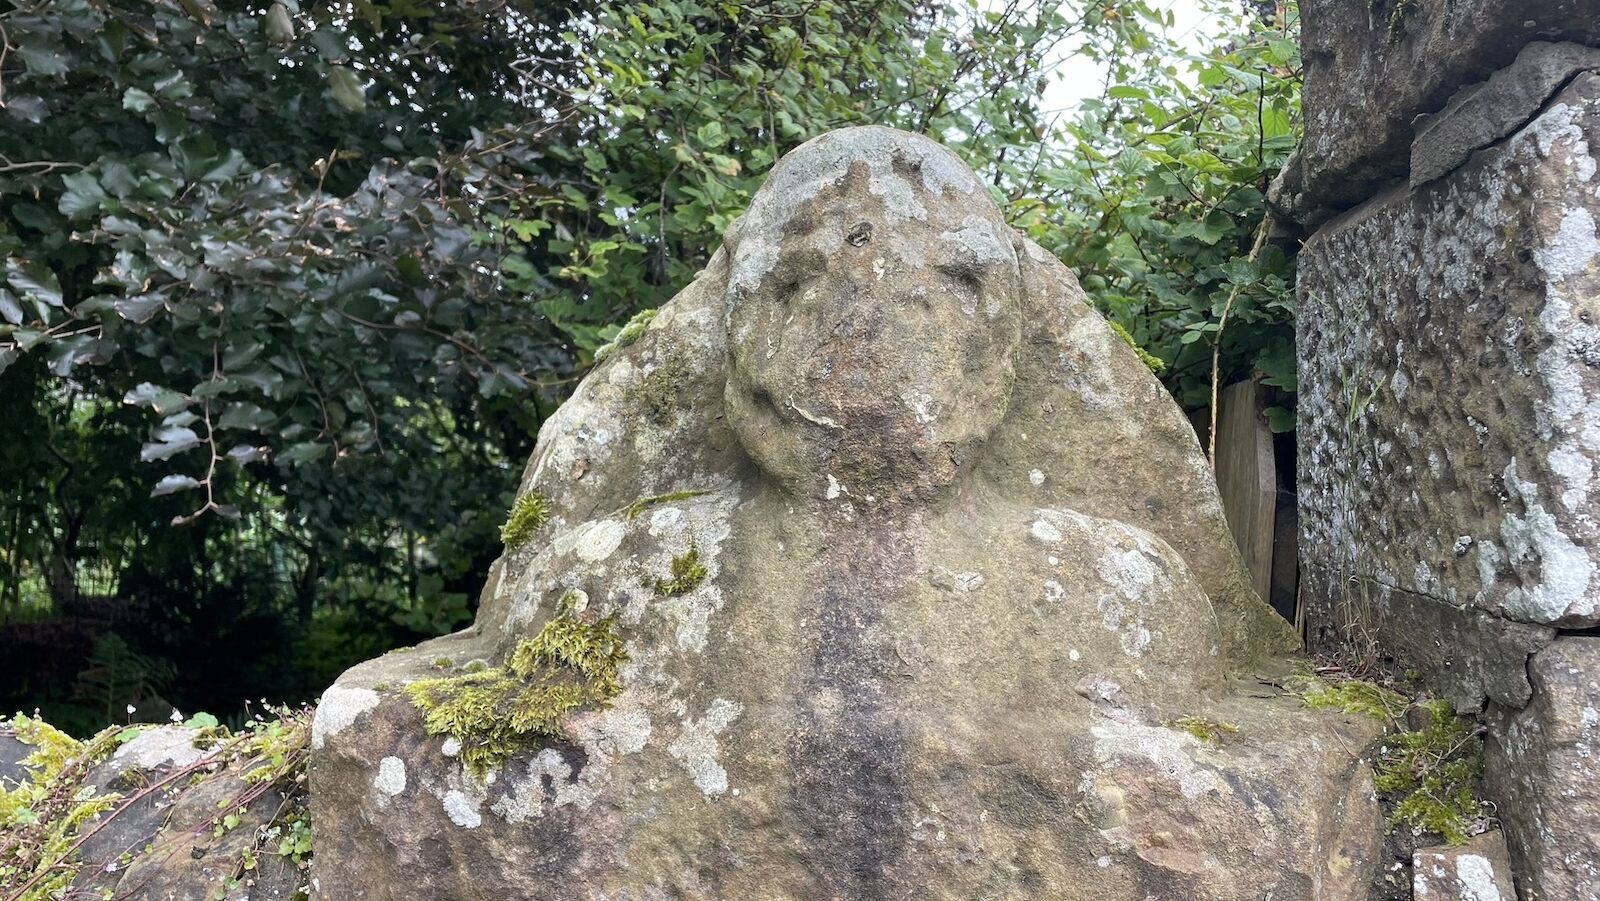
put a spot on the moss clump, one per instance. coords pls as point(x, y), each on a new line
point(645, 503)
point(1355, 696)
point(687, 574)
point(1206, 730)
point(498, 711)
point(1431, 772)
point(1149, 359)
point(40, 819)
point(626, 335)
point(530, 511)
point(656, 392)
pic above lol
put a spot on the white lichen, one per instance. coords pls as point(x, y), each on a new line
point(696, 747)
point(391, 778)
point(338, 710)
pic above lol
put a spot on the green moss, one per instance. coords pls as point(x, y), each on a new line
point(497, 711)
point(625, 336)
point(476, 666)
point(1354, 696)
point(1155, 363)
point(1431, 773)
point(1206, 730)
point(442, 663)
point(656, 392)
point(687, 574)
point(530, 511)
point(645, 503)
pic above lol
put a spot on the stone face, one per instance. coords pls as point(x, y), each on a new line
point(1477, 871)
point(1448, 382)
point(1366, 83)
point(1543, 764)
point(962, 562)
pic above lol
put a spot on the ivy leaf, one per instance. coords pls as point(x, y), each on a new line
point(137, 100)
point(42, 62)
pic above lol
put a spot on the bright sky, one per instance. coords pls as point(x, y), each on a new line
point(1080, 77)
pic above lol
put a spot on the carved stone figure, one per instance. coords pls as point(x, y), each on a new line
point(876, 566)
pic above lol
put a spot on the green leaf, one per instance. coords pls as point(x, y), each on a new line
point(42, 62)
point(303, 452)
point(163, 401)
point(140, 309)
point(168, 443)
point(82, 196)
point(137, 100)
point(1279, 419)
point(36, 283)
point(346, 89)
point(173, 484)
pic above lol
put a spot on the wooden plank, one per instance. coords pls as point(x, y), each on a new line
point(1247, 478)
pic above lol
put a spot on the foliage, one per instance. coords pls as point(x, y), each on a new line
point(497, 711)
point(1431, 774)
point(1155, 194)
point(117, 678)
point(43, 820)
point(687, 572)
point(530, 511)
point(304, 278)
point(41, 817)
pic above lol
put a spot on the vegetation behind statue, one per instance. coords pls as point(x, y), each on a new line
point(323, 297)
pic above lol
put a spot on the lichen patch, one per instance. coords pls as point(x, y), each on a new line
point(391, 778)
point(338, 710)
point(697, 749)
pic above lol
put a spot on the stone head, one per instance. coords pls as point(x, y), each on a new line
point(873, 317)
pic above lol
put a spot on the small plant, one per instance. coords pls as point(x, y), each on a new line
point(1156, 364)
point(1432, 772)
point(497, 711)
point(530, 511)
point(1208, 731)
point(628, 334)
point(1355, 696)
point(687, 574)
point(39, 819)
point(645, 503)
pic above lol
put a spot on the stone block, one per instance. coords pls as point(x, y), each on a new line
point(1542, 766)
point(1480, 870)
point(1371, 69)
point(1450, 379)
